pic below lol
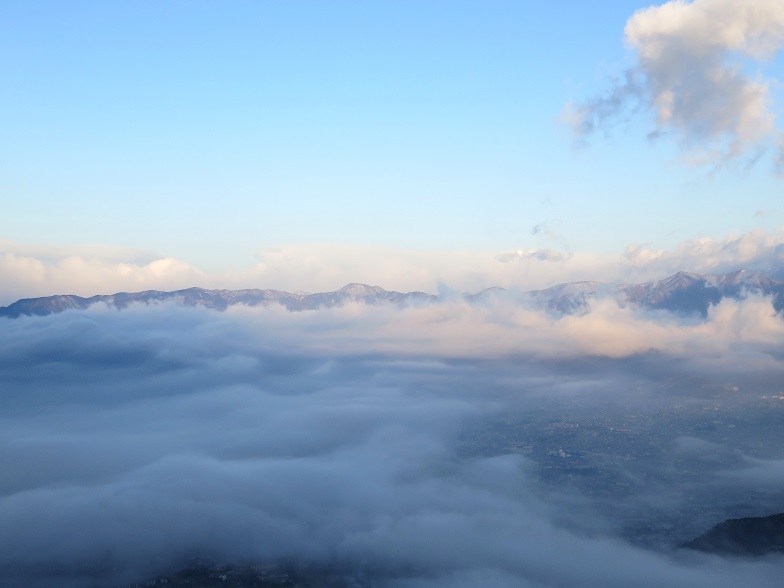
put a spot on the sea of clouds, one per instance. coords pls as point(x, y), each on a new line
point(131, 441)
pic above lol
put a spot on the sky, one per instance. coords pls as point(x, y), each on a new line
point(220, 136)
point(225, 139)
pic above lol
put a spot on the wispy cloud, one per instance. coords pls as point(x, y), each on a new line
point(536, 254)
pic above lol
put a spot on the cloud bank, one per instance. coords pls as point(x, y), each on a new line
point(692, 70)
point(132, 440)
point(30, 271)
point(755, 250)
point(38, 271)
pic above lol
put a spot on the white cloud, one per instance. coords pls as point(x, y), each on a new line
point(504, 328)
point(691, 72)
point(30, 271)
point(755, 250)
point(534, 254)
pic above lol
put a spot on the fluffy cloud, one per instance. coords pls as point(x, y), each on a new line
point(39, 271)
point(691, 72)
point(502, 327)
point(756, 250)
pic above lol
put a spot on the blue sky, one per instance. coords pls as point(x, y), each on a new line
point(210, 132)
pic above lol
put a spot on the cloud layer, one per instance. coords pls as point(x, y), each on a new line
point(692, 71)
point(157, 433)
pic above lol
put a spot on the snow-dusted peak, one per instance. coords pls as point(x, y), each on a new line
point(680, 280)
point(361, 290)
point(744, 278)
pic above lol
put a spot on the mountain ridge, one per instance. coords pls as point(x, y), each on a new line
point(682, 292)
point(749, 536)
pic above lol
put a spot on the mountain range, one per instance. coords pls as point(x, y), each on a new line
point(684, 292)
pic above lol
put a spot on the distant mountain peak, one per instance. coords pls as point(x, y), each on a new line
point(681, 278)
point(744, 278)
point(361, 290)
